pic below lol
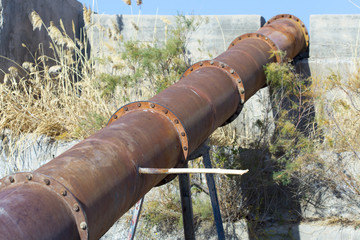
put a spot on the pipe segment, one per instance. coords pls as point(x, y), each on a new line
point(84, 191)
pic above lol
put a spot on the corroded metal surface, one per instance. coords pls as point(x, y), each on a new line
point(81, 193)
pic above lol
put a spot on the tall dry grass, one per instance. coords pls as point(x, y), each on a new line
point(56, 95)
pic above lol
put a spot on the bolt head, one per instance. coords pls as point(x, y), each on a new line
point(139, 104)
point(183, 134)
point(126, 108)
point(76, 207)
point(152, 105)
point(83, 225)
point(185, 148)
point(64, 193)
point(47, 181)
point(11, 179)
point(28, 177)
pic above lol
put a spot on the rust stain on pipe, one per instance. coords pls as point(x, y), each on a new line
point(81, 193)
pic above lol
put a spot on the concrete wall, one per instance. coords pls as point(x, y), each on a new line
point(212, 37)
point(16, 28)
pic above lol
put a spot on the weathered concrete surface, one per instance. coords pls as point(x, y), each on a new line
point(212, 37)
point(336, 193)
point(28, 153)
point(16, 28)
point(334, 36)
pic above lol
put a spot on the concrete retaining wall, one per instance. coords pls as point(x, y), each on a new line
point(16, 28)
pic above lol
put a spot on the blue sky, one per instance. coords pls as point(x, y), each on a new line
point(267, 8)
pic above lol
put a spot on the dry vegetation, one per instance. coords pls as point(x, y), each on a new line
point(54, 95)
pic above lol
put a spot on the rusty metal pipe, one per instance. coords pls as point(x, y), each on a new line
point(81, 193)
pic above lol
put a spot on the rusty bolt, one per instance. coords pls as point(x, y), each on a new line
point(239, 38)
point(222, 65)
point(76, 207)
point(29, 177)
point(165, 111)
point(201, 64)
point(152, 105)
point(242, 91)
point(211, 62)
point(126, 108)
point(139, 104)
point(232, 44)
point(183, 134)
point(115, 116)
point(64, 193)
point(83, 225)
point(303, 25)
point(232, 71)
point(47, 181)
point(176, 121)
point(239, 80)
point(257, 35)
point(185, 148)
point(11, 179)
point(191, 69)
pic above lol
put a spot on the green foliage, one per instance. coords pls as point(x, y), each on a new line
point(292, 102)
point(161, 63)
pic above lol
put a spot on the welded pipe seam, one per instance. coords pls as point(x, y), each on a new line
point(260, 36)
point(63, 193)
point(224, 67)
point(230, 72)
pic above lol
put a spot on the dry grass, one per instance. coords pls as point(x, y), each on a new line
point(338, 110)
point(53, 95)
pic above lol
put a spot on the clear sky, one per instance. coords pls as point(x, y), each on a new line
point(267, 8)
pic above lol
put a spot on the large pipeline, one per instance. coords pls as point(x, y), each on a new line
point(82, 192)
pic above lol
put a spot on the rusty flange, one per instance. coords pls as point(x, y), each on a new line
point(261, 37)
point(155, 107)
point(51, 184)
point(224, 67)
point(295, 19)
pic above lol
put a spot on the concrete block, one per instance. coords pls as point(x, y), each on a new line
point(16, 28)
point(211, 38)
point(334, 36)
